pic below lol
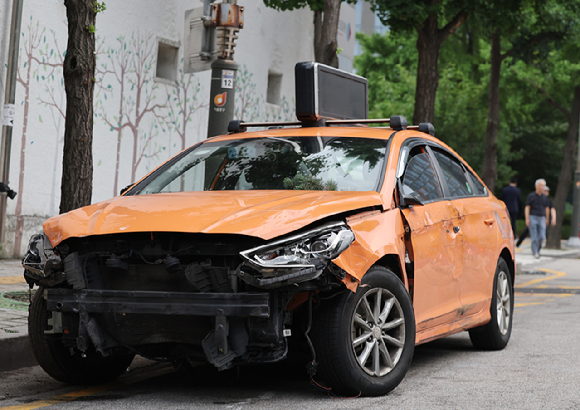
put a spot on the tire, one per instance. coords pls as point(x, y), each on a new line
point(355, 356)
point(495, 335)
point(56, 360)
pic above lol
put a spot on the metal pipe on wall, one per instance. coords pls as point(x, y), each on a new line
point(9, 98)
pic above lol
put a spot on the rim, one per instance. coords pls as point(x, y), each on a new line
point(503, 303)
point(378, 332)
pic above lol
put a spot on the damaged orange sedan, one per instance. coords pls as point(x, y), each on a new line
point(355, 243)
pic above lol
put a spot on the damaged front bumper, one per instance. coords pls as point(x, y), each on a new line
point(240, 319)
point(160, 303)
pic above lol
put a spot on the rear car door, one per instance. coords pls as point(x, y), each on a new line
point(437, 263)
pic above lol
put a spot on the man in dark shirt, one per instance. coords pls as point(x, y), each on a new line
point(512, 197)
point(537, 212)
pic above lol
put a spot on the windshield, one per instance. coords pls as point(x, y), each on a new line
point(305, 163)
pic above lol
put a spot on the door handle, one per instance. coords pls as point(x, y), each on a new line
point(489, 221)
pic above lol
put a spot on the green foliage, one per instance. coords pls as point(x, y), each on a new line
point(528, 145)
point(389, 63)
point(309, 183)
point(90, 29)
point(405, 16)
point(99, 7)
point(284, 5)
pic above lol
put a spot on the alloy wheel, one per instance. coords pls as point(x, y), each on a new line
point(378, 332)
point(503, 302)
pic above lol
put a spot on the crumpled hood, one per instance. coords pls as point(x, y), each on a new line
point(263, 214)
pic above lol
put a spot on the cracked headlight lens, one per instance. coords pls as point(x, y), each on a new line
point(308, 249)
point(40, 258)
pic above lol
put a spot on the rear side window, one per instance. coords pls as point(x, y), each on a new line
point(454, 175)
point(478, 187)
point(420, 178)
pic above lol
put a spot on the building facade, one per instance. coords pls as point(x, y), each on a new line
point(146, 108)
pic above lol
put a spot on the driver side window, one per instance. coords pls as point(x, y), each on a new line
point(420, 178)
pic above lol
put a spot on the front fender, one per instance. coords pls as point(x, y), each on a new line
point(377, 234)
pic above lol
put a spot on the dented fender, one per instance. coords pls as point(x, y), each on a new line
point(377, 234)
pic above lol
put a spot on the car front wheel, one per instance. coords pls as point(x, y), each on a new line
point(63, 364)
point(365, 340)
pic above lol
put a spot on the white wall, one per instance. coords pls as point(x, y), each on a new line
point(270, 41)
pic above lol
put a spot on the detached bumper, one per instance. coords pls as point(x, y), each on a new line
point(164, 303)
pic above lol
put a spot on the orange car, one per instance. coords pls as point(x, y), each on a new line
point(356, 242)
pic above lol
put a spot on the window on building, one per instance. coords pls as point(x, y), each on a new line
point(274, 88)
point(167, 52)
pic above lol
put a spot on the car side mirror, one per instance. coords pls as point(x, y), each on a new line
point(412, 200)
point(126, 189)
point(406, 200)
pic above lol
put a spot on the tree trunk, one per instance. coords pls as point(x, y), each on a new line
point(566, 172)
point(325, 29)
point(490, 156)
point(79, 73)
point(428, 45)
point(429, 41)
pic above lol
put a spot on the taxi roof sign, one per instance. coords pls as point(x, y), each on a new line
point(324, 92)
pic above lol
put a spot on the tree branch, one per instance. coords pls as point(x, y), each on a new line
point(551, 99)
point(452, 26)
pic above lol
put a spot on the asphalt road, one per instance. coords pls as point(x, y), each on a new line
point(539, 369)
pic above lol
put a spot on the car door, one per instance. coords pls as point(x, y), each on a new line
point(478, 224)
point(437, 263)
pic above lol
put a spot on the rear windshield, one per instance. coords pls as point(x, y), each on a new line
point(304, 163)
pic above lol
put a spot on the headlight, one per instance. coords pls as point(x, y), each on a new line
point(308, 249)
point(40, 258)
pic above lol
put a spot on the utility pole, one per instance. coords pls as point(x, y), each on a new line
point(228, 19)
point(9, 98)
point(574, 240)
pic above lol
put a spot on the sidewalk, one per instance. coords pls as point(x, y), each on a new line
point(525, 261)
point(16, 352)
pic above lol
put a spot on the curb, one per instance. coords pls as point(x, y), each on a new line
point(16, 352)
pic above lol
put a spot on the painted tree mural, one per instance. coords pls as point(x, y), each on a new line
point(132, 66)
point(250, 106)
point(182, 104)
point(247, 101)
point(40, 63)
point(54, 99)
point(129, 101)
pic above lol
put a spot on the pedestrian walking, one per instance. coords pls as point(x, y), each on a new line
point(552, 217)
point(512, 196)
point(537, 213)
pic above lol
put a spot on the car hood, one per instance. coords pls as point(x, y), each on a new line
point(263, 214)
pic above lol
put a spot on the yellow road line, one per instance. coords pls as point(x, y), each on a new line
point(528, 304)
point(552, 295)
point(556, 274)
point(12, 280)
point(63, 398)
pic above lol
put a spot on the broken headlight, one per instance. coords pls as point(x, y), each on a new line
point(40, 257)
point(307, 250)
